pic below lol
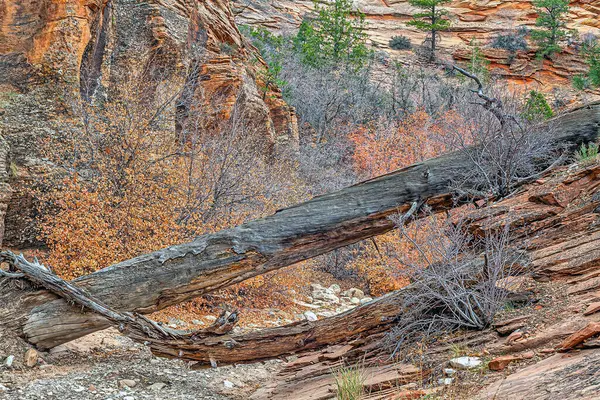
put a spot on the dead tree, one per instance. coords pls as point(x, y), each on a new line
point(154, 281)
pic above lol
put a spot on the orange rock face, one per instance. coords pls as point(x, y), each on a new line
point(54, 38)
point(51, 50)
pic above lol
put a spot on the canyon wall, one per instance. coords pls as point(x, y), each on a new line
point(53, 51)
point(472, 20)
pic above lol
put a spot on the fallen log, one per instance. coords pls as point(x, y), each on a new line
point(214, 345)
point(154, 281)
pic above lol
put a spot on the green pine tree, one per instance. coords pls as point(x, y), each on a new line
point(536, 107)
point(433, 19)
point(336, 35)
point(478, 64)
point(591, 51)
point(552, 19)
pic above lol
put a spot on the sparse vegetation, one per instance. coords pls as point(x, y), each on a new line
point(513, 42)
point(400, 43)
point(537, 107)
point(590, 49)
point(587, 154)
point(458, 350)
point(349, 382)
point(454, 285)
point(504, 149)
point(335, 35)
point(478, 64)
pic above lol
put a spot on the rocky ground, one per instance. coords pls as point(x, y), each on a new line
point(520, 357)
point(106, 365)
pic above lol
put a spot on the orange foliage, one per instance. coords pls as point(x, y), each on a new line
point(380, 149)
point(127, 184)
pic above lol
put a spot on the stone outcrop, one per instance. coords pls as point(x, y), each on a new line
point(52, 50)
point(556, 222)
point(477, 21)
point(562, 376)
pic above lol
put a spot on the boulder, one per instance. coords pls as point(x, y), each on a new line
point(326, 296)
point(445, 381)
point(335, 288)
point(9, 361)
point(465, 362)
point(123, 383)
point(354, 292)
point(155, 387)
point(516, 335)
point(499, 363)
point(228, 384)
point(592, 308)
point(31, 358)
point(449, 372)
point(310, 316)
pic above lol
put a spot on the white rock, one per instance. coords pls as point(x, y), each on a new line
point(211, 318)
point(197, 322)
point(157, 386)
point(315, 287)
point(449, 371)
point(327, 296)
point(128, 398)
point(335, 288)
point(446, 381)
point(310, 316)
point(465, 362)
point(3, 388)
point(307, 305)
point(9, 361)
point(326, 314)
point(355, 300)
point(31, 358)
point(127, 383)
point(365, 300)
point(228, 384)
point(354, 292)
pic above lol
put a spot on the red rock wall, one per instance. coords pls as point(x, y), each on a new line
point(471, 20)
point(52, 47)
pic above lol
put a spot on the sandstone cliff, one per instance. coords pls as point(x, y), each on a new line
point(471, 20)
point(51, 50)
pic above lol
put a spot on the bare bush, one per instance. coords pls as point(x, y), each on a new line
point(503, 147)
point(455, 284)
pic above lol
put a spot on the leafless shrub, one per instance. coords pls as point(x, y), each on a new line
point(503, 148)
point(455, 283)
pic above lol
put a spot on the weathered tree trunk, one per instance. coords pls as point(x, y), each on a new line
point(213, 261)
point(365, 320)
